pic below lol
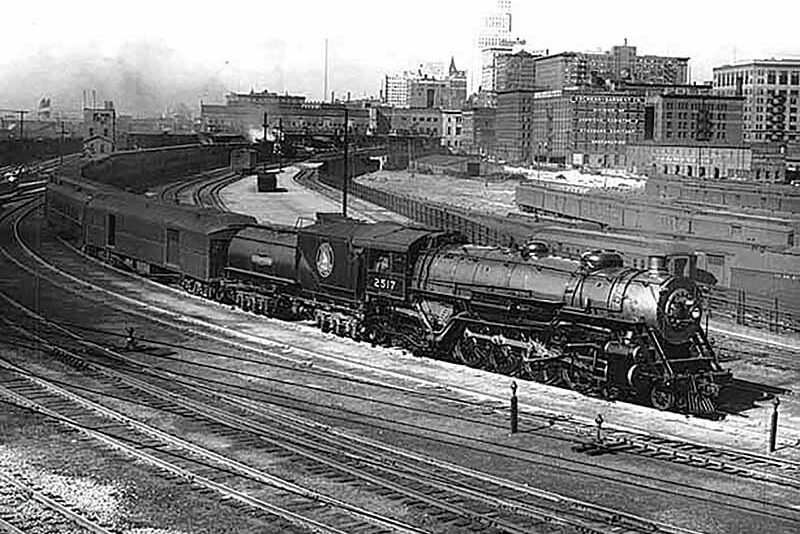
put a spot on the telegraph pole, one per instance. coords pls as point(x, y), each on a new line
point(265, 125)
point(61, 148)
point(279, 139)
point(345, 178)
point(22, 124)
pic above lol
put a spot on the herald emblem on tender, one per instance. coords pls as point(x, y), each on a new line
point(325, 260)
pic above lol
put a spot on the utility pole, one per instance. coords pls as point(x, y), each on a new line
point(22, 124)
point(325, 82)
point(345, 177)
point(61, 148)
point(279, 139)
point(265, 125)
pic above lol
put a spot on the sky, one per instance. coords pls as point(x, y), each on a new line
point(148, 55)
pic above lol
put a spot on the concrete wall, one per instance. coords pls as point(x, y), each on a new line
point(140, 170)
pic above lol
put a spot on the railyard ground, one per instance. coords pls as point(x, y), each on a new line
point(537, 456)
point(746, 429)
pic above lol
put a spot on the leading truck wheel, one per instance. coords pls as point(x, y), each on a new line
point(661, 397)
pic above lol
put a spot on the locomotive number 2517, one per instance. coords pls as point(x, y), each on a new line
point(384, 283)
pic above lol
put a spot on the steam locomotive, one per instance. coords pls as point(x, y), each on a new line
point(592, 325)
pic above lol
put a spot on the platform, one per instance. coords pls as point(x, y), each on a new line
point(292, 204)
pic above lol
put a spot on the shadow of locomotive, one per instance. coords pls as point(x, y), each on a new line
point(742, 395)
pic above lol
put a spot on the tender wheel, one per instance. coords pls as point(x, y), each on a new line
point(661, 397)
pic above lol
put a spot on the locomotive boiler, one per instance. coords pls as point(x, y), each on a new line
point(592, 325)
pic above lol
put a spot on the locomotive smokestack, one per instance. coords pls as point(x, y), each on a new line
point(657, 264)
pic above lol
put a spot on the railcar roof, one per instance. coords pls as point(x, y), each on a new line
point(192, 218)
point(389, 236)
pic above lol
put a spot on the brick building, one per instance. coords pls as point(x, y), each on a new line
point(479, 130)
point(448, 92)
point(242, 113)
point(515, 71)
point(452, 129)
point(513, 118)
point(414, 121)
point(584, 126)
point(100, 127)
point(621, 63)
point(771, 90)
point(686, 118)
point(708, 161)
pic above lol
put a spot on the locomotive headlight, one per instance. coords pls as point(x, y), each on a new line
point(696, 313)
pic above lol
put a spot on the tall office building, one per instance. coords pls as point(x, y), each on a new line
point(771, 91)
point(495, 38)
point(395, 89)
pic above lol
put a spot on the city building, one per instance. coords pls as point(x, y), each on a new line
point(585, 126)
point(429, 87)
point(515, 71)
point(621, 63)
point(478, 134)
point(771, 89)
point(452, 129)
point(100, 130)
point(457, 86)
point(414, 121)
point(513, 118)
point(707, 161)
point(494, 39)
point(244, 113)
point(427, 93)
point(686, 118)
point(395, 89)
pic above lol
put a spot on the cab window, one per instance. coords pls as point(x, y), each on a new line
point(387, 263)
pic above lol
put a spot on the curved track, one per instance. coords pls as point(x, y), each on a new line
point(452, 500)
point(84, 288)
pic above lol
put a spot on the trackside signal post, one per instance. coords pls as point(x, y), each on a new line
point(773, 427)
point(514, 408)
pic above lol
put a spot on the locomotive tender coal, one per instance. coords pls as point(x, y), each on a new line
point(591, 325)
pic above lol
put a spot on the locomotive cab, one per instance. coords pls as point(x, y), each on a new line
point(352, 260)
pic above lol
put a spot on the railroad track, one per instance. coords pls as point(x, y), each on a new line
point(460, 497)
point(25, 506)
point(363, 208)
point(173, 192)
point(737, 462)
point(207, 194)
point(200, 466)
point(733, 462)
point(663, 446)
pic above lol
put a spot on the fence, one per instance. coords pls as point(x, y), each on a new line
point(737, 307)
